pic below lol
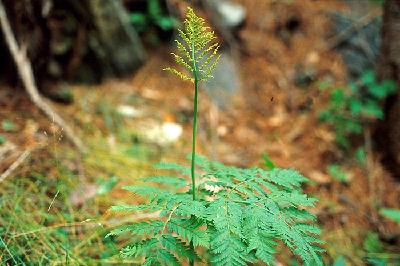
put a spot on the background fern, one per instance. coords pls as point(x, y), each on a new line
point(352, 108)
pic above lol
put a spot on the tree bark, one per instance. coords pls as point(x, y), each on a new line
point(122, 45)
point(71, 40)
point(389, 68)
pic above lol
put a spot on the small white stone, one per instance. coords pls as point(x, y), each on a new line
point(129, 111)
point(162, 134)
point(171, 131)
point(232, 14)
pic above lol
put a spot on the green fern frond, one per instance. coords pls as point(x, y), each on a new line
point(263, 243)
point(192, 208)
point(176, 246)
point(256, 200)
point(176, 182)
point(196, 51)
point(150, 228)
point(167, 258)
point(179, 74)
point(189, 230)
point(141, 248)
point(240, 222)
point(128, 208)
point(148, 191)
point(173, 167)
point(288, 199)
point(299, 215)
point(228, 249)
point(287, 178)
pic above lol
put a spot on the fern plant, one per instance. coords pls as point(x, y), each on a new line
point(223, 215)
point(351, 109)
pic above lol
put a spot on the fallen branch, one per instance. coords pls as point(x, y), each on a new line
point(26, 74)
point(5, 149)
point(15, 165)
point(350, 31)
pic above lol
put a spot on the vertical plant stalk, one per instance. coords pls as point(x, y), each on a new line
point(194, 137)
point(195, 104)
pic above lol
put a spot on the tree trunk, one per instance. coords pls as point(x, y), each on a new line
point(389, 68)
point(118, 37)
point(72, 40)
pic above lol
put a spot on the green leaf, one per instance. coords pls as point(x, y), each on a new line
point(336, 172)
point(377, 261)
point(139, 249)
point(360, 155)
point(190, 231)
point(228, 249)
point(355, 106)
point(377, 91)
point(337, 98)
point(372, 244)
point(166, 23)
point(167, 180)
point(287, 178)
point(291, 199)
point(368, 78)
point(392, 214)
point(340, 261)
point(107, 185)
point(267, 162)
point(260, 241)
point(178, 247)
point(167, 258)
point(2, 139)
point(192, 208)
point(353, 88)
point(139, 20)
point(173, 166)
point(373, 109)
point(389, 86)
point(8, 125)
point(129, 208)
point(382, 90)
point(154, 8)
point(140, 228)
point(145, 191)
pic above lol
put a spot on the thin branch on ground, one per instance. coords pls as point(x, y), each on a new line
point(350, 31)
point(15, 165)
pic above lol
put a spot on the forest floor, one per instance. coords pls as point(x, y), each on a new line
point(54, 205)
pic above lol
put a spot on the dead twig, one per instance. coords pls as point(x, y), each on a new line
point(349, 31)
point(15, 165)
point(26, 74)
point(5, 149)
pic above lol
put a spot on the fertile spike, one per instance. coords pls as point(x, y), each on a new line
point(196, 51)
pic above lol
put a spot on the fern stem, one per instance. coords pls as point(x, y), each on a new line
point(194, 139)
point(196, 92)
